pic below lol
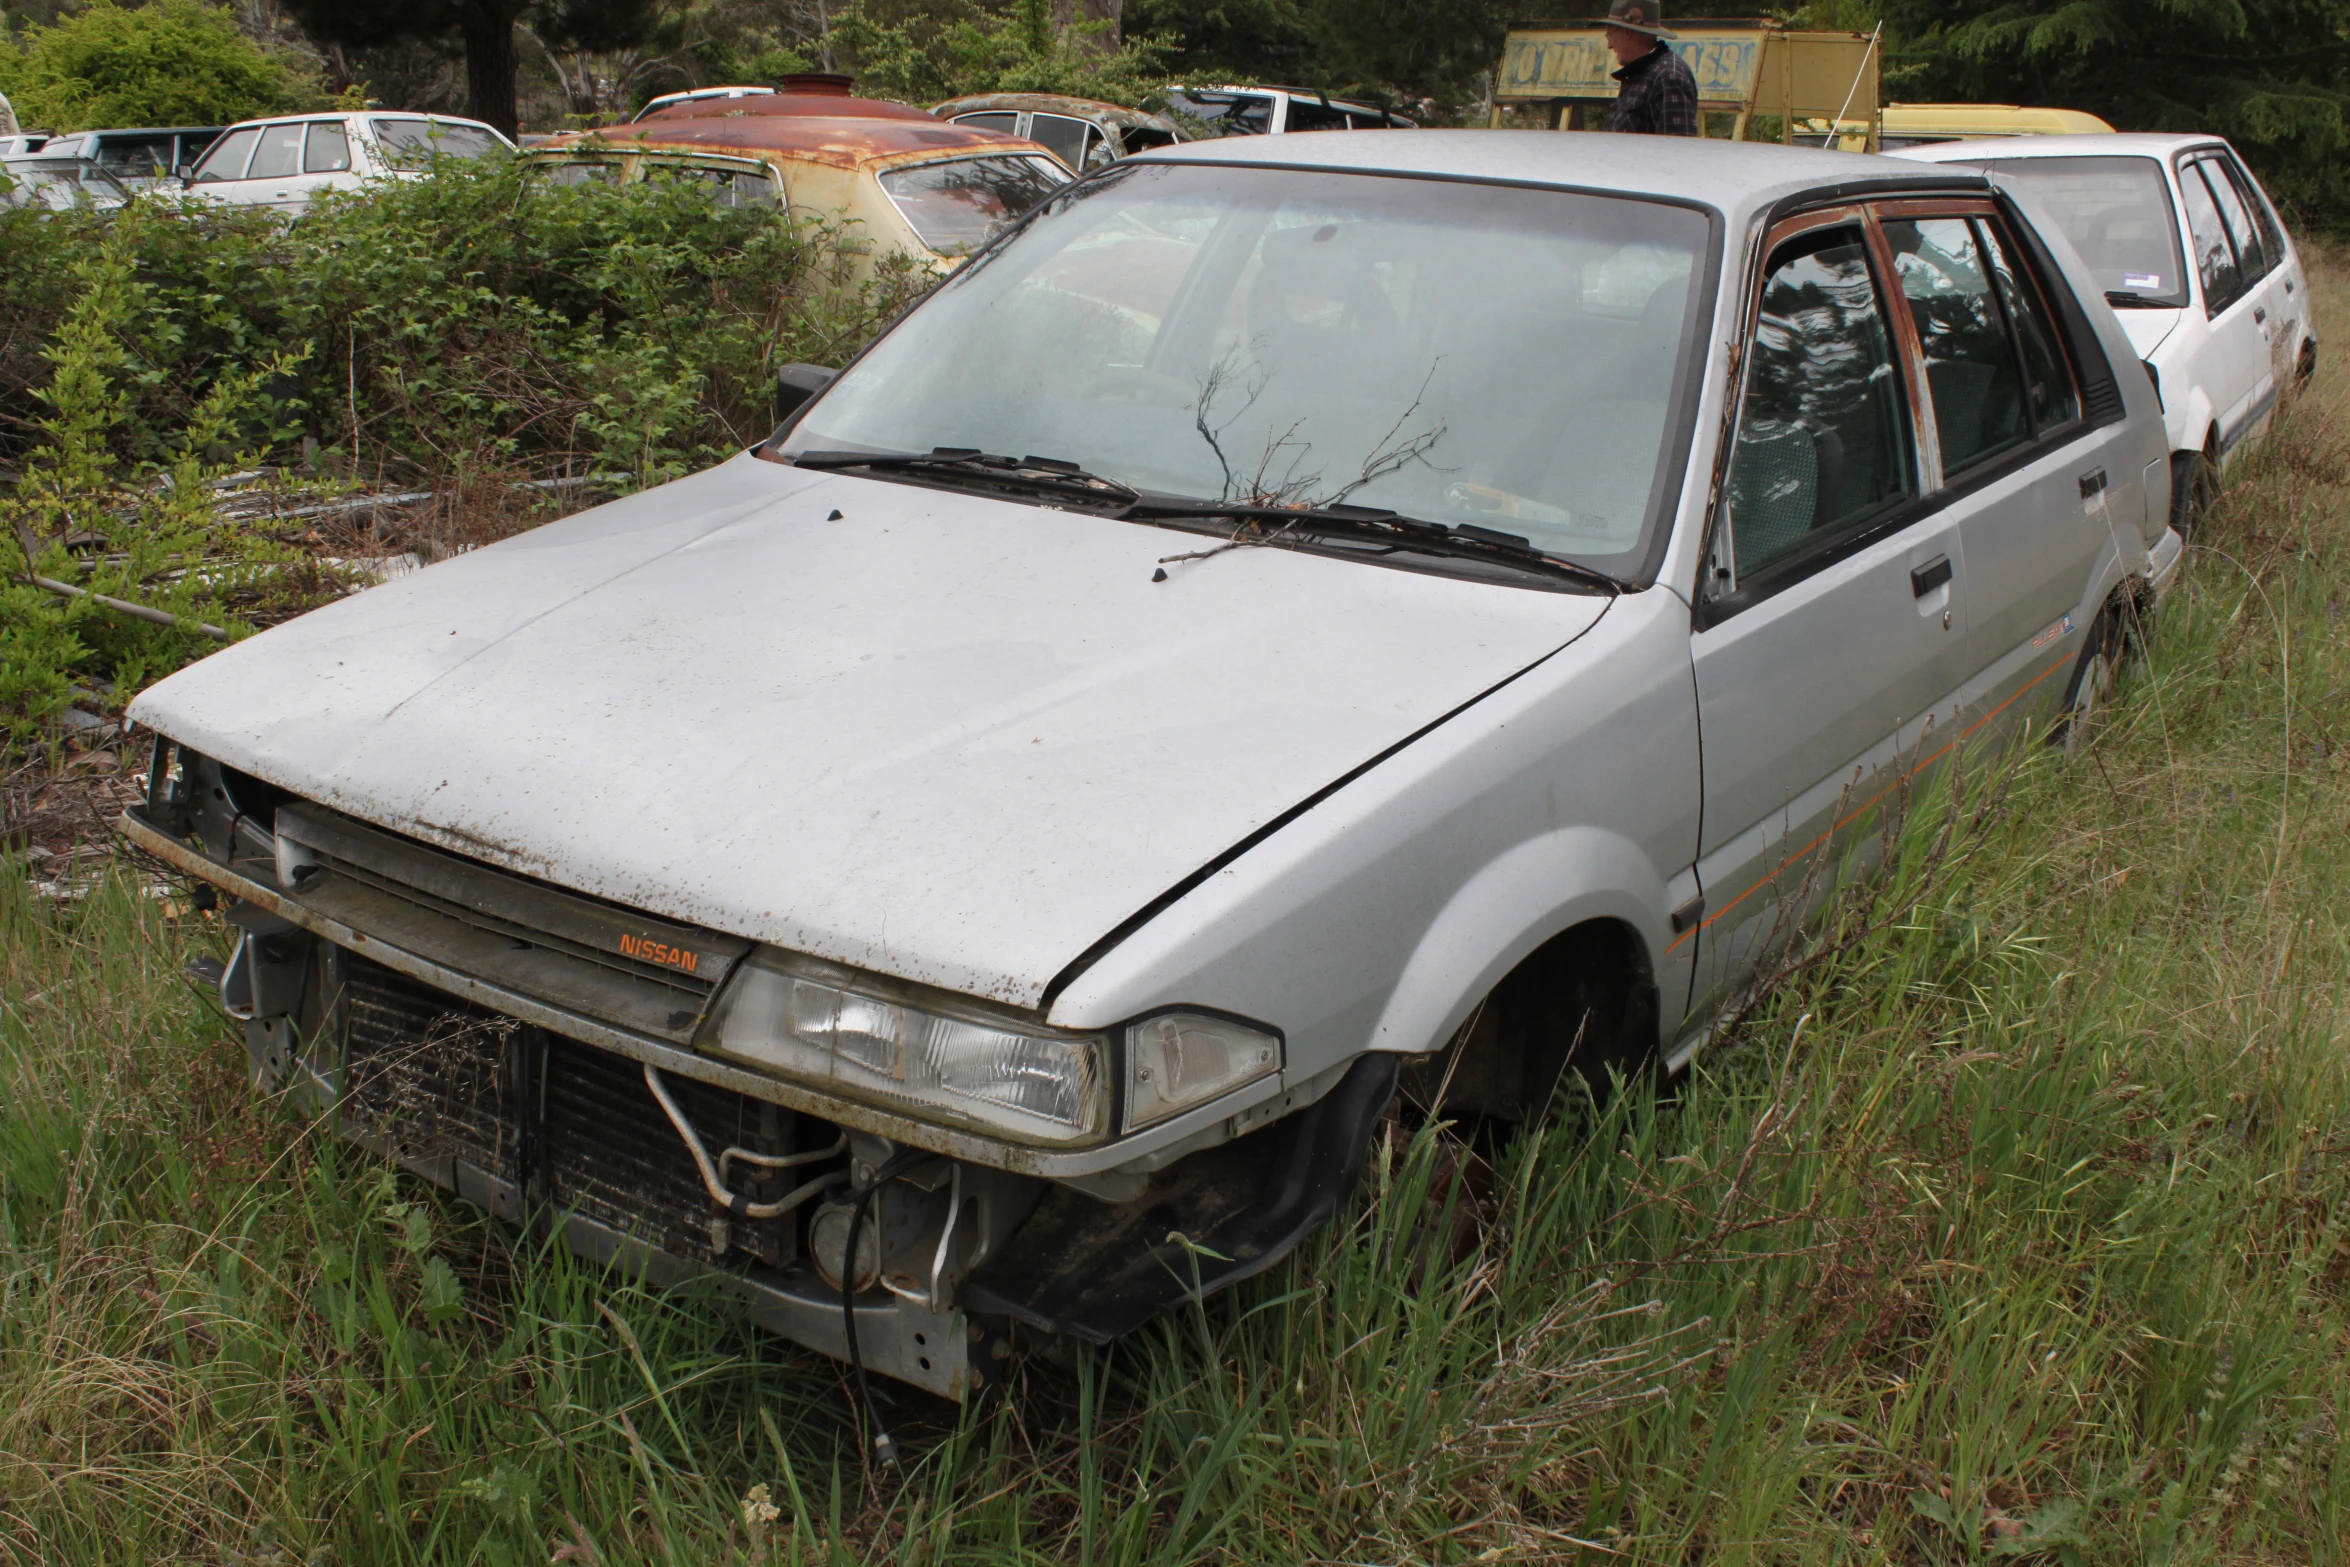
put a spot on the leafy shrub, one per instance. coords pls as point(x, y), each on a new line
point(467, 330)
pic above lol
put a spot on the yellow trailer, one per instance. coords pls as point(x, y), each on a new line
point(1744, 70)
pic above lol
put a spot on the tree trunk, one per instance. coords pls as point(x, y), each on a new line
point(1111, 11)
point(490, 62)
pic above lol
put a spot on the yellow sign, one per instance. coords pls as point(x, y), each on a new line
point(1746, 68)
point(1574, 62)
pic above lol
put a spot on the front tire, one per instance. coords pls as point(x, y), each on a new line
point(2194, 484)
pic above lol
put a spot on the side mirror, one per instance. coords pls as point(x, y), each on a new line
point(795, 384)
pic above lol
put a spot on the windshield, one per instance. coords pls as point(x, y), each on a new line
point(2118, 215)
point(413, 144)
point(1478, 354)
point(61, 186)
point(958, 206)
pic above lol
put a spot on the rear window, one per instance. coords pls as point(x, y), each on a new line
point(727, 188)
point(579, 171)
point(955, 207)
point(2117, 213)
point(413, 144)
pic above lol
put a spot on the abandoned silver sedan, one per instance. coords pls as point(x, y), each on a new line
point(1293, 618)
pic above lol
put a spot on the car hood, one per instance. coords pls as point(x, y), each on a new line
point(953, 739)
point(2147, 329)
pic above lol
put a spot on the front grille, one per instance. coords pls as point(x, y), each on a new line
point(613, 1157)
point(636, 971)
point(570, 1128)
point(430, 1075)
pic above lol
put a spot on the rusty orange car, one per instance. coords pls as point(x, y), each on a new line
point(896, 180)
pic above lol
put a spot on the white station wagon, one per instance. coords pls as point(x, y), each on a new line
point(1297, 619)
point(2190, 253)
point(286, 163)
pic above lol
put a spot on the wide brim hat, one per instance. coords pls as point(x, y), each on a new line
point(1639, 16)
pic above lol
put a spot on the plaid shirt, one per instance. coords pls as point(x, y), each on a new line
point(1658, 96)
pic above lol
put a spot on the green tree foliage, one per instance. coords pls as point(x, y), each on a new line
point(1390, 50)
point(966, 48)
point(175, 62)
point(2272, 76)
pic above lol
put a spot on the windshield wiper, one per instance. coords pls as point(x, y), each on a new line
point(2123, 299)
point(1378, 525)
point(1047, 475)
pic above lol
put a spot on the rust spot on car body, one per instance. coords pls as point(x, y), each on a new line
point(836, 140)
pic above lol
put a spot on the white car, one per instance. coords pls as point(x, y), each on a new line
point(2189, 250)
point(284, 163)
point(1291, 619)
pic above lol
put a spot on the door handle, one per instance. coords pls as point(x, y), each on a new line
point(1925, 579)
point(2260, 314)
point(2092, 483)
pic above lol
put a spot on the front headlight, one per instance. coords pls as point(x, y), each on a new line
point(934, 1058)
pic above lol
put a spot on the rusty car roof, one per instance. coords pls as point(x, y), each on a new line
point(843, 141)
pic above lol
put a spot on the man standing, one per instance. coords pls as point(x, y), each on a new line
point(1657, 96)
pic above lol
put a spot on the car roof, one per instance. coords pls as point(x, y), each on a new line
point(844, 142)
point(785, 106)
point(1735, 178)
point(2106, 144)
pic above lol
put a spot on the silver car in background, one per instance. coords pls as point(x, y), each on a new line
point(1298, 620)
point(2191, 254)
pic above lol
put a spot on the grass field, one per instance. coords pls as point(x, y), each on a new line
point(2013, 1228)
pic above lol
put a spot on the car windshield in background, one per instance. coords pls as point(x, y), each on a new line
point(61, 187)
point(955, 207)
point(2117, 212)
point(1465, 354)
point(1226, 113)
point(413, 144)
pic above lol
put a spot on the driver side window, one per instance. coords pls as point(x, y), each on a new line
point(1823, 441)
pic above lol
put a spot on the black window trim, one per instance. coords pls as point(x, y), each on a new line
point(2086, 353)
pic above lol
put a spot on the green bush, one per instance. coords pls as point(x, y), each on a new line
point(465, 331)
point(175, 62)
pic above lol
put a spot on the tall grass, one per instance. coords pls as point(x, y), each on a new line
point(2015, 1227)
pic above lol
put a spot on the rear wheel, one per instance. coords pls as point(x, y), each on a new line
point(2112, 639)
point(2306, 367)
point(2194, 482)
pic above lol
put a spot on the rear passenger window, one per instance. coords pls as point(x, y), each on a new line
point(2238, 218)
point(2272, 241)
point(1971, 370)
point(326, 150)
point(2215, 258)
point(2048, 377)
point(1823, 445)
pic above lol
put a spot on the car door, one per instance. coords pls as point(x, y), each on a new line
point(2237, 353)
point(222, 173)
point(275, 176)
point(1831, 628)
point(2023, 472)
point(2288, 304)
